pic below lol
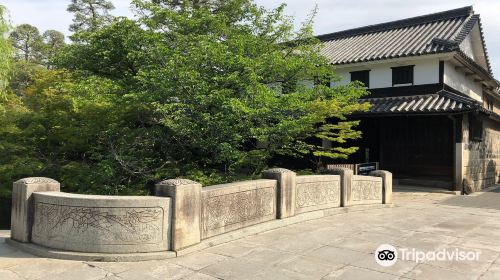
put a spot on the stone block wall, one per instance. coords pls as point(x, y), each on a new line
point(481, 159)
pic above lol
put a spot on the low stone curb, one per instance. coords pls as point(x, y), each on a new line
point(44, 252)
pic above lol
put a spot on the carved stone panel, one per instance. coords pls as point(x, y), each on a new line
point(103, 226)
point(237, 205)
point(366, 190)
point(98, 225)
point(317, 192)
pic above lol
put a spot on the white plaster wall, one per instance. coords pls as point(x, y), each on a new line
point(473, 47)
point(426, 72)
point(380, 76)
point(466, 46)
point(457, 80)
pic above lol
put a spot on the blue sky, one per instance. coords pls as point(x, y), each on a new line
point(333, 15)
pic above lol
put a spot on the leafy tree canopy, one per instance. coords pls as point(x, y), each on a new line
point(53, 42)
point(27, 40)
point(5, 52)
point(202, 77)
point(90, 15)
point(202, 89)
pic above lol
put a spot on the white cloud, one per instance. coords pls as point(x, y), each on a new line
point(333, 15)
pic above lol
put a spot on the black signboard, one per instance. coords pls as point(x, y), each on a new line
point(365, 168)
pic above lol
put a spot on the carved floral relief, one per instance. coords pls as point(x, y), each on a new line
point(101, 225)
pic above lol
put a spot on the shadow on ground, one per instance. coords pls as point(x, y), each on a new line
point(489, 200)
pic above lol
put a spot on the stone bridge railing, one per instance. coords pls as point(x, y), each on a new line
point(182, 216)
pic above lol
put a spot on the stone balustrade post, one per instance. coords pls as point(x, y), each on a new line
point(186, 210)
point(386, 184)
point(345, 183)
point(285, 190)
point(23, 204)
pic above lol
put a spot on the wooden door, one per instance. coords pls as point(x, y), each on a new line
point(417, 146)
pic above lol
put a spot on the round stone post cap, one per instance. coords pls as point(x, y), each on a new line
point(380, 173)
point(338, 170)
point(36, 180)
point(177, 182)
point(277, 170)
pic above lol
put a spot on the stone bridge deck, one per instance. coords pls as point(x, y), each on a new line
point(335, 247)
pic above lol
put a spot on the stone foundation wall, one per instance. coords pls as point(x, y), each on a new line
point(481, 159)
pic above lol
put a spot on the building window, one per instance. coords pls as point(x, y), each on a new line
point(402, 75)
point(361, 76)
point(488, 104)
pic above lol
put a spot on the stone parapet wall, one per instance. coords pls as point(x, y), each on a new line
point(101, 224)
point(182, 215)
point(233, 206)
point(316, 192)
point(366, 190)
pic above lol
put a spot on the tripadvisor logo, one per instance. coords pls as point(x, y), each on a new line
point(387, 255)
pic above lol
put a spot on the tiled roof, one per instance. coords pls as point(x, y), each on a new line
point(440, 102)
point(429, 34)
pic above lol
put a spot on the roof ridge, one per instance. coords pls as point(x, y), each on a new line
point(466, 28)
point(483, 41)
point(455, 13)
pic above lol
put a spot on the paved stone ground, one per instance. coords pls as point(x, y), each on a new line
point(335, 247)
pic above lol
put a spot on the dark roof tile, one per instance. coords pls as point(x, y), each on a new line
point(429, 34)
point(440, 102)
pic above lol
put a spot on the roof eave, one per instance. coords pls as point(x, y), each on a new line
point(444, 54)
point(476, 68)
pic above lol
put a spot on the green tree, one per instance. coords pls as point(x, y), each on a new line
point(9, 105)
point(181, 4)
point(5, 52)
point(27, 40)
point(23, 75)
point(90, 15)
point(195, 86)
point(53, 41)
point(35, 52)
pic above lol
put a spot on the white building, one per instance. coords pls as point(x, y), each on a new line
point(435, 102)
